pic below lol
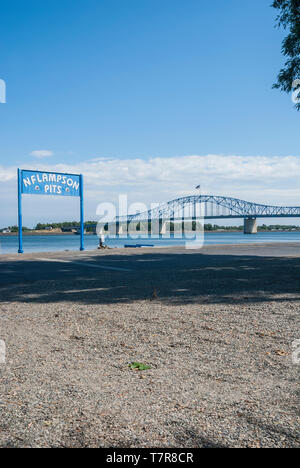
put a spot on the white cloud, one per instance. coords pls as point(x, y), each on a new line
point(270, 180)
point(40, 154)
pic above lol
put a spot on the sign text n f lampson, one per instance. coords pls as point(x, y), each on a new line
point(47, 183)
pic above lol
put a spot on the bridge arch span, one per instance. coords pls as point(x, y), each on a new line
point(212, 207)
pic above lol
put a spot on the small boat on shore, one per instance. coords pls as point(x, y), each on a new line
point(136, 246)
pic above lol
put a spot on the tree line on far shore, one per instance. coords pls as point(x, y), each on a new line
point(207, 227)
point(64, 225)
point(50, 226)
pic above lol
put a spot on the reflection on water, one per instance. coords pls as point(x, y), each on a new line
point(9, 244)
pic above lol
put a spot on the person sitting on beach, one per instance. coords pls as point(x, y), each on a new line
point(101, 244)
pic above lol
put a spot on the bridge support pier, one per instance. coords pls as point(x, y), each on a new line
point(119, 229)
point(250, 226)
point(162, 227)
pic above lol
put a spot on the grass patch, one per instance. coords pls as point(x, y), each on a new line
point(139, 366)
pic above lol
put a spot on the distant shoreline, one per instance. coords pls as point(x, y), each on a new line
point(37, 233)
point(50, 233)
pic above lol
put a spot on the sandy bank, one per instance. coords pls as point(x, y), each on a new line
point(216, 327)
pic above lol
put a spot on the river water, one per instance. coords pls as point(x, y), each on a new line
point(50, 243)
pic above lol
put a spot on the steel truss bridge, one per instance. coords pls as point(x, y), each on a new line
point(211, 207)
point(203, 207)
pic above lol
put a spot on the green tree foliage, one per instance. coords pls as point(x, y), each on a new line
point(66, 224)
point(289, 18)
point(16, 229)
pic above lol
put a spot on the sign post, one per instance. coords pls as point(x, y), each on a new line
point(49, 183)
point(81, 214)
point(20, 211)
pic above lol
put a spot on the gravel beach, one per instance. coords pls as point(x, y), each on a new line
point(216, 327)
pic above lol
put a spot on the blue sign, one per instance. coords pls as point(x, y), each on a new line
point(50, 183)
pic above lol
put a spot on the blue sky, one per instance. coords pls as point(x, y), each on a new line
point(142, 80)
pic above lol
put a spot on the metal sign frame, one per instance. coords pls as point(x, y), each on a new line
point(41, 188)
